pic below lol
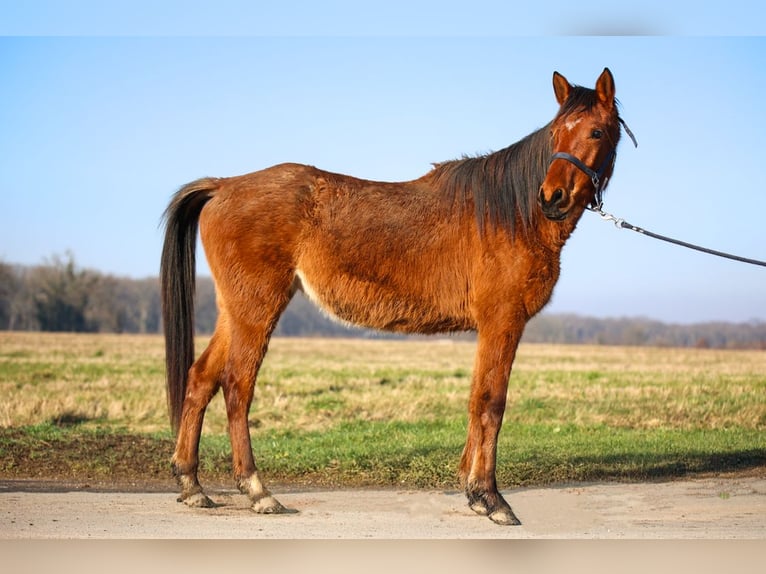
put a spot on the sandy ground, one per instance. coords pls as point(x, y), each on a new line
point(711, 508)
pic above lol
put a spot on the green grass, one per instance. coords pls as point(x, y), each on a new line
point(408, 455)
point(427, 454)
point(391, 413)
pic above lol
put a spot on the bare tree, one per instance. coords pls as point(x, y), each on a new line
point(61, 295)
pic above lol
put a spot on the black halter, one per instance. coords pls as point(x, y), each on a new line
point(596, 175)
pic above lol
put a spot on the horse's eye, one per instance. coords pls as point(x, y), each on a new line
point(596, 134)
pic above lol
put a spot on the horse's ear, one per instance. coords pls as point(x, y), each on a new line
point(605, 88)
point(561, 87)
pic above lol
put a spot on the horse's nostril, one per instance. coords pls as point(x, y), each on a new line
point(555, 200)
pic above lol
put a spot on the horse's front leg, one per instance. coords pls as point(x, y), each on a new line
point(494, 358)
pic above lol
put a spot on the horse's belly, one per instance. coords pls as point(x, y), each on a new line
point(353, 301)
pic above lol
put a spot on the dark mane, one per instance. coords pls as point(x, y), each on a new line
point(503, 185)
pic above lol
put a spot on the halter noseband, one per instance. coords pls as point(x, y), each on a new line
point(596, 175)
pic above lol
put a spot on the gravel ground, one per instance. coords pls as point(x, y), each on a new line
point(710, 508)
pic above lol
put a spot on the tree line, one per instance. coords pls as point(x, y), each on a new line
point(58, 295)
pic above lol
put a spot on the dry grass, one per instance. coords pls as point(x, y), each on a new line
point(62, 377)
point(314, 384)
point(636, 387)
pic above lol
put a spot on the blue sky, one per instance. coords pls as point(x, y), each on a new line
point(99, 130)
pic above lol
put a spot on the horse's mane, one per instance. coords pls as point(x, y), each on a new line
point(503, 185)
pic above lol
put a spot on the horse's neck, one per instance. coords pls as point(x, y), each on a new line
point(554, 234)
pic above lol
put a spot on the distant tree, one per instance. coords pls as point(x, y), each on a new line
point(149, 305)
point(114, 305)
point(61, 295)
point(205, 310)
point(18, 299)
point(8, 286)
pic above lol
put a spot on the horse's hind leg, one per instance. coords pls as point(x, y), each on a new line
point(203, 382)
point(249, 344)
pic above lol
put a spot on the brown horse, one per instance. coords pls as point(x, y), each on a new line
point(474, 244)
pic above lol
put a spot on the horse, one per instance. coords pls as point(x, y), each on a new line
point(472, 245)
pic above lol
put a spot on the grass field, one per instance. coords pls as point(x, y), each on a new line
point(360, 412)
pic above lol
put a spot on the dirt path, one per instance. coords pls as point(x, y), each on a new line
point(704, 508)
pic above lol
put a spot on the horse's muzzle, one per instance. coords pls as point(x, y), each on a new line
point(554, 208)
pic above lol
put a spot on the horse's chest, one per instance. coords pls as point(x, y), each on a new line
point(539, 286)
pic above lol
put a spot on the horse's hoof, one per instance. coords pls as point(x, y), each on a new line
point(270, 505)
point(492, 505)
point(197, 500)
point(479, 507)
point(504, 517)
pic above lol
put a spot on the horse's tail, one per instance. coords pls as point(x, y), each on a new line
point(177, 286)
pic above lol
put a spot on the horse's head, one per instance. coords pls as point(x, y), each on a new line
point(584, 136)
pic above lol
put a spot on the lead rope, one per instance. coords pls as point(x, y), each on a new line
point(622, 224)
